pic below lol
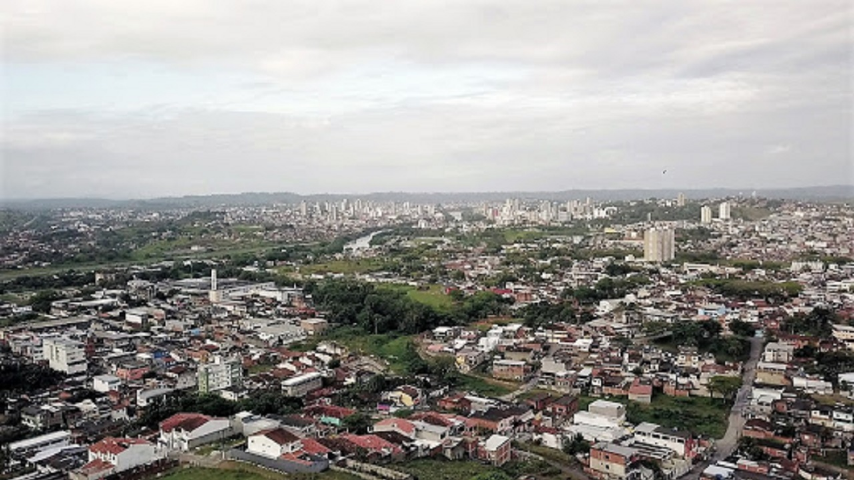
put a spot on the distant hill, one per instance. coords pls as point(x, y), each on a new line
point(823, 193)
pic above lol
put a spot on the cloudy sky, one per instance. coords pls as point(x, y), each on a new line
point(122, 99)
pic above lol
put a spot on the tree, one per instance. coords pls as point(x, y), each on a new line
point(819, 322)
point(724, 385)
point(41, 302)
point(743, 329)
point(748, 447)
point(576, 445)
point(444, 367)
point(357, 423)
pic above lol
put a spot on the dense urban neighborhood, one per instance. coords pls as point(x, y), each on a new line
point(529, 338)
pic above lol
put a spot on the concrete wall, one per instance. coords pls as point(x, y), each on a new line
point(319, 465)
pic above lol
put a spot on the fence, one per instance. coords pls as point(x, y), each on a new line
point(317, 465)
point(144, 471)
point(375, 470)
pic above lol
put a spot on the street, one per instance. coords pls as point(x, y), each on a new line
point(727, 445)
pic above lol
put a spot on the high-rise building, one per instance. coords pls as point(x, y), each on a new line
point(65, 355)
point(659, 245)
point(724, 211)
point(222, 374)
point(214, 294)
point(680, 200)
point(706, 214)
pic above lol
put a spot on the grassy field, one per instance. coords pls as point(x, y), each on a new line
point(548, 453)
point(833, 399)
point(838, 458)
point(346, 267)
point(434, 296)
point(441, 469)
point(18, 299)
point(242, 471)
point(430, 469)
point(398, 351)
point(484, 386)
point(536, 391)
point(238, 249)
point(700, 415)
point(487, 323)
point(220, 474)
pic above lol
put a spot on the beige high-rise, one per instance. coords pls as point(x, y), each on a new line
point(659, 245)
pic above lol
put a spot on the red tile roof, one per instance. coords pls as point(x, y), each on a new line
point(371, 443)
point(114, 445)
point(184, 421)
point(279, 435)
point(639, 388)
point(400, 424)
point(329, 411)
point(433, 419)
point(312, 446)
point(96, 466)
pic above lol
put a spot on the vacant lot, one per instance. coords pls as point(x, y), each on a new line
point(486, 387)
point(398, 350)
point(700, 415)
point(241, 471)
point(218, 474)
point(432, 296)
point(441, 469)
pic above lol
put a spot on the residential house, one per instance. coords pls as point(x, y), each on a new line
point(513, 370)
point(273, 443)
point(405, 396)
point(609, 461)
point(564, 406)
point(640, 391)
point(186, 431)
point(496, 450)
point(778, 352)
point(112, 456)
point(106, 383)
point(679, 441)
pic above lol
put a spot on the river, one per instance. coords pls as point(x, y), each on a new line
point(361, 243)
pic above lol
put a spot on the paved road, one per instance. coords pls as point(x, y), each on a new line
point(726, 445)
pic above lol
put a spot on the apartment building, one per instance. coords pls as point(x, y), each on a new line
point(515, 370)
point(609, 461)
point(679, 441)
point(65, 355)
point(220, 375)
point(301, 385)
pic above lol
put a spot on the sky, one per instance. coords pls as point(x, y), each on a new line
point(121, 99)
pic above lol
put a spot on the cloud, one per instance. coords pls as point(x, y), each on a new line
point(778, 149)
point(167, 97)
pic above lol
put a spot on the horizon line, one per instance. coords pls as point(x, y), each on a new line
point(404, 192)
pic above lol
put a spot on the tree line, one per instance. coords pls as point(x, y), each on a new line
point(378, 310)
